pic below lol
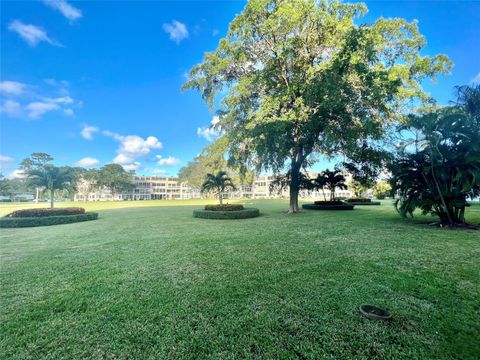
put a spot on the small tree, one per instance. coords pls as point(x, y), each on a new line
point(440, 169)
point(217, 184)
point(51, 178)
point(5, 187)
point(381, 190)
point(333, 180)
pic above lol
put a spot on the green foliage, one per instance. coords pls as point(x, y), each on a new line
point(112, 177)
point(440, 169)
point(217, 183)
point(41, 212)
point(224, 207)
point(16, 222)
point(41, 174)
point(341, 206)
point(5, 187)
point(359, 200)
point(330, 180)
point(303, 78)
point(382, 189)
point(227, 214)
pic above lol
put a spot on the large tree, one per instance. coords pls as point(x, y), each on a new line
point(302, 77)
point(114, 178)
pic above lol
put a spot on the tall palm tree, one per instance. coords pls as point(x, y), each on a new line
point(217, 184)
point(332, 180)
point(51, 178)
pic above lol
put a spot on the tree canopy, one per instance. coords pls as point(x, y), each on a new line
point(302, 77)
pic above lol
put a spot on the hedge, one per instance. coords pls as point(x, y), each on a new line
point(224, 207)
point(341, 206)
point(41, 212)
point(335, 202)
point(359, 200)
point(229, 214)
point(15, 222)
point(363, 203)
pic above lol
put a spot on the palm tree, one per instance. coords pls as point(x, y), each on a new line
point(51, 178)
point(332, 180)
point(217, 184)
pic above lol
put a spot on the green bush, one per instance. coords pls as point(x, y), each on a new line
point(15, 222)
point(336, 202)
point(359, 200)
point(224, 207)
point(341, 206)
point(42, 212)
point(229, 214)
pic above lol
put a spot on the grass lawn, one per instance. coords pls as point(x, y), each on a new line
point(152, 282)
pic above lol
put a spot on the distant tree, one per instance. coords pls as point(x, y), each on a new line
point(87, 182)
point(36, 161)
point(440, 169)
point(217, 183)
point(302, 78)
point(114, 178)
point(333, 180)
point(382, 189)
point(5, 187)
point(51, 178)
point(358, 188)
point(195, 171)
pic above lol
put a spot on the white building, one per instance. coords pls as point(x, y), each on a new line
point(170, 188)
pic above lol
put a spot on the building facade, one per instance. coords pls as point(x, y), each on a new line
point(170, 188)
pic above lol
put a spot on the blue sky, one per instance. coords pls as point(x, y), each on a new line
point(93, 82)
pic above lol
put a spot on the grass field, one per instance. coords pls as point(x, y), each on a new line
point(149, 281)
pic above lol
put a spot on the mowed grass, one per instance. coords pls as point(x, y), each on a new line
point(155, 283)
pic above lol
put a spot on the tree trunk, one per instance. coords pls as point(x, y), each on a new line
point(293, 199)
point(220, 198)
point(294, 188)
point(52, 196)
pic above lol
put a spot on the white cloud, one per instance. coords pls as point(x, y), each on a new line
point(31, 34)
point(67, 10)
point(6, 159)
point(11, 108)
point(212, 132)
point(132, 167)
point(12, 87)
point(68, 112)
point(476, 79)
point(38, 108)
point(87, 132)
point(159, 171)
point(87, 162)
point(131, 148)
point(16, 174)
point(168, 161)
point(177, 31)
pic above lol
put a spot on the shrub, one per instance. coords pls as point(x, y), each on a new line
point(229, 214)
point(224, 207)
point(359, 200)
point(42, 212)
point(341, 206)
point(16, 222)
point(328, 202)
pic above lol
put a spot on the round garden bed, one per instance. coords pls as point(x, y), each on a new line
point(328, 205)
point(225, 212)
point(45, 217)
